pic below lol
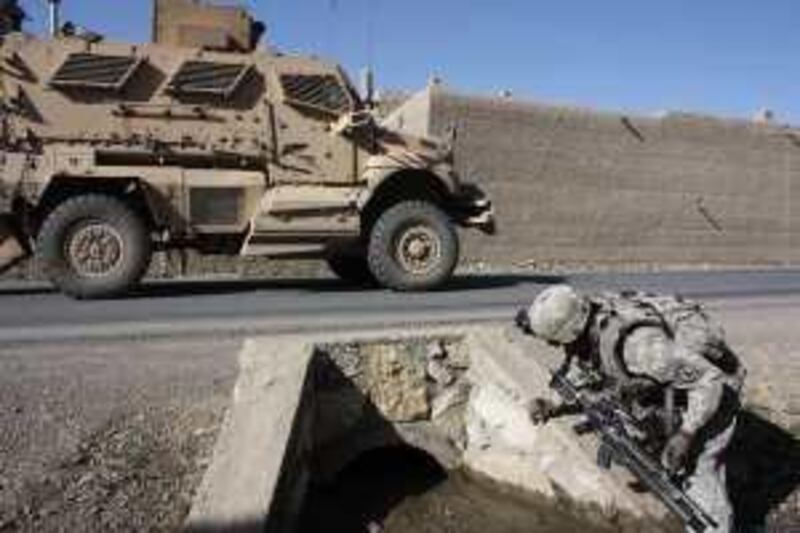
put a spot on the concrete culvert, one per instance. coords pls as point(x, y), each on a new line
point(405, 433)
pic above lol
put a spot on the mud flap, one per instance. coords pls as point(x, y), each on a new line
point(12, 251)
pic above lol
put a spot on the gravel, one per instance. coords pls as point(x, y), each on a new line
point(110, 437)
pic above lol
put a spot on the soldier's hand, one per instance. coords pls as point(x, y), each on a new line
point(676, 452)
point(541, 410)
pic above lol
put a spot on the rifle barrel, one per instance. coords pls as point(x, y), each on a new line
point(607, 419)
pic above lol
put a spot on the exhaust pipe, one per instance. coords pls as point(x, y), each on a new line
point(55, 17)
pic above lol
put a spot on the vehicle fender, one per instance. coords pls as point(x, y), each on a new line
point(380, 168)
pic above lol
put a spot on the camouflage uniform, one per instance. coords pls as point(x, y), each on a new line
point(628, 349)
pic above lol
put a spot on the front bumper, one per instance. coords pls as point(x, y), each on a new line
point(472, 208)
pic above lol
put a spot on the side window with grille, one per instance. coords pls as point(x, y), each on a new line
point(95, 72)
point(197, 78)
point(318, 92)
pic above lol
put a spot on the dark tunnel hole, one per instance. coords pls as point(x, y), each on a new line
point(363, 494)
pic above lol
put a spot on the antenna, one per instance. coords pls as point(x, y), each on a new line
point(368, 86)
point(55, 17)
point(369, 71)
point(371, 8)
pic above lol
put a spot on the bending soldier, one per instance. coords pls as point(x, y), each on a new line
point(655, 354)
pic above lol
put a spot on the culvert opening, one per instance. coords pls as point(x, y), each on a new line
point(361, 497)
point(400, 489)
point(383, 409)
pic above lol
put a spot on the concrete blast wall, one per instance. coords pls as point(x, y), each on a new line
point(579, 186)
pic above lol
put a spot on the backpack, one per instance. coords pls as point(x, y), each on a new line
point(686, 322)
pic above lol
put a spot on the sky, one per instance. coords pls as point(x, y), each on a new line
point(720, 57)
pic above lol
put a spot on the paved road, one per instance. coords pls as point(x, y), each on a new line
point(33, 313)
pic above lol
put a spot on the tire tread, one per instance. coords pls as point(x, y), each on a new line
point(104, 207)
point(381, 265)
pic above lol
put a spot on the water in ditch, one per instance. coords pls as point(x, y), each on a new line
point(400, 490)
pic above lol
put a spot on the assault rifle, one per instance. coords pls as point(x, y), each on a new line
point(607, 418)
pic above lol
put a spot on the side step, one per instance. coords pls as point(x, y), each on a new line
point(286, 250)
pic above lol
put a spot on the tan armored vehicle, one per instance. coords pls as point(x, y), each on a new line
point(206, 140)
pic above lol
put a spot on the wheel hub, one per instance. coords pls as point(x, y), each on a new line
point(419, 249)
point(95, 249)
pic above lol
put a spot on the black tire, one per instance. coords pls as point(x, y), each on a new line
point(94, 246)
point(351, 266)
point(417, 224)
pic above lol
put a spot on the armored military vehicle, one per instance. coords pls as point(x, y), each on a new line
point(207, 139)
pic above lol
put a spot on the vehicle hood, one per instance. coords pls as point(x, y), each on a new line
point(410, 151)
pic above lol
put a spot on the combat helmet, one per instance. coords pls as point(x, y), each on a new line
point(558, 314)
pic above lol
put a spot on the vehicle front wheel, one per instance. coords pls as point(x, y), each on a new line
point(94, 246)
point(413, 246)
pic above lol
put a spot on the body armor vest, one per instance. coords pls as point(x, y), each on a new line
point(616, 317)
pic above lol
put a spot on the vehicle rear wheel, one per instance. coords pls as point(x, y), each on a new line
point(351, 266)
point(94, 246)
point(413, 247)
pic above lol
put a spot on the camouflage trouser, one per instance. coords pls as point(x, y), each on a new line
point(707, 483)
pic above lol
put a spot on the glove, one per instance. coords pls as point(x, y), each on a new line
point(541, 410)
point(676, 452)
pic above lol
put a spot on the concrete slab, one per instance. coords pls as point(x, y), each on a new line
point(242, 484)
point(507, 371)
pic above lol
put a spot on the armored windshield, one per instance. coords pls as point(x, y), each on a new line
point(328, 92)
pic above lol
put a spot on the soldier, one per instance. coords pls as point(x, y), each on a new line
point(651, 352)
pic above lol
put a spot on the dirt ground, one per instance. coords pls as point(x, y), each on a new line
point(135, 474)
point(108, 438)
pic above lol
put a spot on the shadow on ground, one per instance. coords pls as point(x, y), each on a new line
point(26, 290)
point(212, 287)
point(763, 473)
point(172, 289)
point(254, 526)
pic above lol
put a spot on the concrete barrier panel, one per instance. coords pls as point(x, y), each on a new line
point(256, 480)
point(578, 186)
